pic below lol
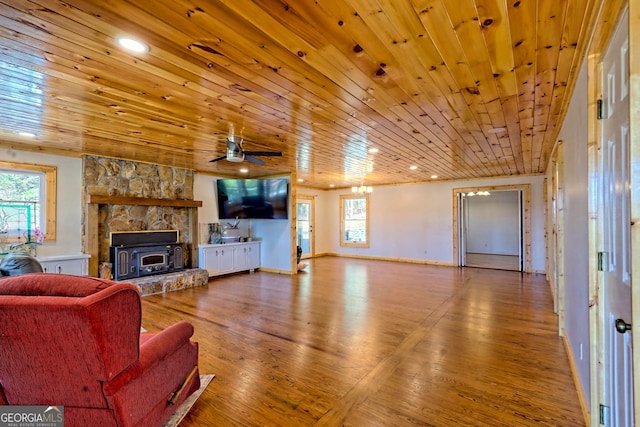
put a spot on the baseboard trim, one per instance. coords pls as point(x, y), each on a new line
point(276, 270)
point(584, 404)
point(379, 258)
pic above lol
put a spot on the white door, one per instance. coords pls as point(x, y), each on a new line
point(614, 258)
point(304, 225)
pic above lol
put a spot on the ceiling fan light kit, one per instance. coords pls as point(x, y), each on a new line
point(236, 154)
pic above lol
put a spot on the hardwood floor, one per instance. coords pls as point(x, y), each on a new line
point(353, 342)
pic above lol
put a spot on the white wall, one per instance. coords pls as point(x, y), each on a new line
point(415, 221)
point(576, 229)
point(274, 234)
point(494, 223)
point(69, 199)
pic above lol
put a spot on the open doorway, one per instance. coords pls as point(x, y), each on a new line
point(492, 227)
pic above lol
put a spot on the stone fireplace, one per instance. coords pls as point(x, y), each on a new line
point(123, 195)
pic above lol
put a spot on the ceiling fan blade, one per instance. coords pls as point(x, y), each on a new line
point(263, 153)
point(217, 159)
point(252, 159)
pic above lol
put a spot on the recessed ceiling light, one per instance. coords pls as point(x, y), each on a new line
point(27, 134)
point(300, 180)
point(373, 150)
point(132, 44)
point(434, 176)
point(332, 185)
point(413, 167)
point(244, 170)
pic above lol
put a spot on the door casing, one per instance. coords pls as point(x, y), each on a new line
point(526, 219)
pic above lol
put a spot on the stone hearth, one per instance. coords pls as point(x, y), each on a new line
point(179, 280)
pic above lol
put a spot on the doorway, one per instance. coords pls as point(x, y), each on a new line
point(492, 227)
point(305, 207)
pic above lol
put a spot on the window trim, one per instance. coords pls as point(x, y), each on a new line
point(344, 197)
point(50, 203)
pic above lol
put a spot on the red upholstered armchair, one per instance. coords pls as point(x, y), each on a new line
point(75, 342)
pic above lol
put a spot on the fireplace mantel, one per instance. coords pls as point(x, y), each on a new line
point(142, 201)
point(93, 202)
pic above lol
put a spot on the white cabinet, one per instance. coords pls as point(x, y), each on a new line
point(66, 264)
point(216, 259)
point(229, 257)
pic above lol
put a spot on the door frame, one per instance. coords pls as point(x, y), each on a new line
point(526, 219)
point(312, 221)
point(555, 225)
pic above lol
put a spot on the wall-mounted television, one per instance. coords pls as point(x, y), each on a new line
point(253, 198)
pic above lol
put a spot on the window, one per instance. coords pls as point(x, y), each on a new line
point(27, 202)
point(354, 220)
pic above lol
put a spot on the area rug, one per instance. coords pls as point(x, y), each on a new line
point(186, 406)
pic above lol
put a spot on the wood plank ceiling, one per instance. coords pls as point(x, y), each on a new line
point(458, 89)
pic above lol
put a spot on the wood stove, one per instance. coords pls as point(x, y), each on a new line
point(145, 253)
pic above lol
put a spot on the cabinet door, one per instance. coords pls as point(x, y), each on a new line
point(253, 255)
point(225, 257)
point(209, 260)
point(240, 257)
point(71, 267)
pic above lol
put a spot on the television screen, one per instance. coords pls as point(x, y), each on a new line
point(253, 198)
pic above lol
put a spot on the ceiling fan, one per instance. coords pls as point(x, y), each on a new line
point(235, 153)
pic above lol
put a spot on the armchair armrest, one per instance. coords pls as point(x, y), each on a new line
point(160, 345)
point(153, 349)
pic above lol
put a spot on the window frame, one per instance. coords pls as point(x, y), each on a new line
point(344, 242)
point(50, 184)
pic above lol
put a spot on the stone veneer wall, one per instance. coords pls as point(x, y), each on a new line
point(113, 177)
